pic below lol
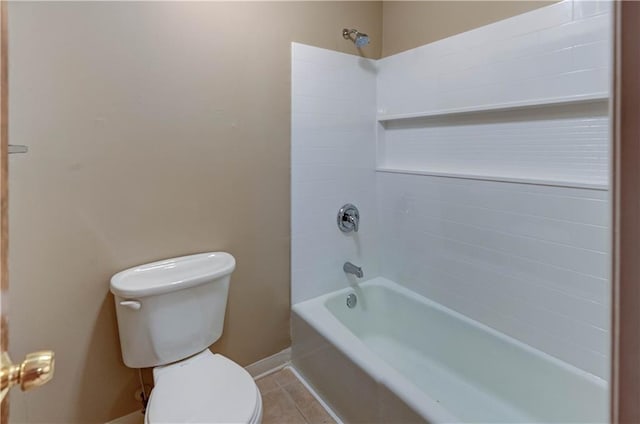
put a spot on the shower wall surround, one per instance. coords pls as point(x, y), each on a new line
point(491, 168)
point(530, 260)
point(333, 104)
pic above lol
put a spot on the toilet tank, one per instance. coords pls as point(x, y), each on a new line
point(171, 309)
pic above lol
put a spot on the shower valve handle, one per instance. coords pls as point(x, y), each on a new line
point(348, 218)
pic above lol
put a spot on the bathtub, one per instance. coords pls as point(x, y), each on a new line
point(399, 357)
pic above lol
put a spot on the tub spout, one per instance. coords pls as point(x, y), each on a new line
point(350, 268)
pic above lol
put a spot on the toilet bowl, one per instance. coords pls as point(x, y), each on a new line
point(206, 388)
point(169, 313)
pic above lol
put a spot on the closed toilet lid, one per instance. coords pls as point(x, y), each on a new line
point(205, 388)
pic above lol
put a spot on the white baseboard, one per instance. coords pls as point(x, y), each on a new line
point(136, 417)
point(270, 364)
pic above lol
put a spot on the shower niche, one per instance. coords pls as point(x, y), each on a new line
point(561, 142)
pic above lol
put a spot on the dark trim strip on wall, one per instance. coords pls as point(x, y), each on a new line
point(625, 353)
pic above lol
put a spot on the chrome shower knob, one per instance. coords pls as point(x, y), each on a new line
point(348, 218)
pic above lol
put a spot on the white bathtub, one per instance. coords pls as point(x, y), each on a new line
point(399, 357)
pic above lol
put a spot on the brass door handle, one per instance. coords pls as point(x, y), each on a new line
point(35, 371)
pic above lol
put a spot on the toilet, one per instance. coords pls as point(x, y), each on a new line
point(169, 313)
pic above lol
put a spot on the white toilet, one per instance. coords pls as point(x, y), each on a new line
point(169, 313)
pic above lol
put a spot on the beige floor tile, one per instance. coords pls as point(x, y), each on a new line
point(280, 409)
point(285, 377)
point(307, 404)
point(267, 383)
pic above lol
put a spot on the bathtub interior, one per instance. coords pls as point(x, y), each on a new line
point(474, 372)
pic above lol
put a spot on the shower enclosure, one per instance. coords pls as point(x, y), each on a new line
point(480, 167)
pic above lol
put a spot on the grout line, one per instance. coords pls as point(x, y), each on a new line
point(271, 371)
point(282, 388)
point(311, 390)
point(304, 416)
point(266, 392)
point(270, 364)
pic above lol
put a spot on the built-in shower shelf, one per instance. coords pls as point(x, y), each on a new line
point(536, 103)
point(500, 178)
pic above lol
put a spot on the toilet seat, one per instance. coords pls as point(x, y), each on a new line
point(206, 388)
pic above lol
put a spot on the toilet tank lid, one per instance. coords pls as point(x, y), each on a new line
point(172, 274)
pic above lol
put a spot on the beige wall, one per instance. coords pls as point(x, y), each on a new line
point(155, 130)
point(409, 24)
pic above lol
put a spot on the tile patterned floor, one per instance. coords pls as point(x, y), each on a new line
point(285, 400)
